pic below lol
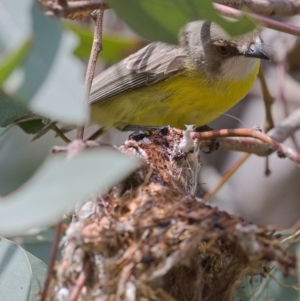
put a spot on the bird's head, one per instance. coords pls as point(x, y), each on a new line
point(212, 51)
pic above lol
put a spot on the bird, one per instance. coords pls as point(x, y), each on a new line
point(191, 83)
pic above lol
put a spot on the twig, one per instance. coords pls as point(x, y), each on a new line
point(81, 281)
point(268, 101)
point(96, 134)
point(62, 8)
point(51, 126)
point(96, 49)
point(265, 8)
point(281, 71)
point(287, 127)
point(284, 151)
point(54, 250)
point(242, 144)
point(44, 130)
point(267, 22)
point(267, 167)
point(61, 134)
point(225, 177)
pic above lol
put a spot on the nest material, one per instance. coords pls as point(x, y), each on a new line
point(148, 239)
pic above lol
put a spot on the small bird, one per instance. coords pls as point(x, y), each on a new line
point(167, 85)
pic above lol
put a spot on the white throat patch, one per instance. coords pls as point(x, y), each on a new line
point(238, 67)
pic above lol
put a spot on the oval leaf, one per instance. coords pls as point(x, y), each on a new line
point(116, 45)
point(58, 185)
point(161, 20)
point(11, 61)
point(50, 81)
point(22, 275)
point(16, 274)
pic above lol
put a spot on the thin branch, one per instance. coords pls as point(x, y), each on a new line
point(268, 101)
point(266, 22)
point(44, 130)
point(265, 8)
point(287, 127)
point(96, 134)
point(51, 126)
point(281, 70)
point(280, 133)
point(284, 151)
point(261, 7)
point(81, 281)
point(54, 250)
point(242, 144)
point(65, 9)
point(61, 134)
point(96, 49)
point(228, 174)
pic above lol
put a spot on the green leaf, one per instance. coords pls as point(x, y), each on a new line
point(12, 60)
point(39, 272)
point(116, 46)
point(22, 275)
point(162, 20)
point(51, 81)
point(10, 109)
point(32, 126)
point(58, 185)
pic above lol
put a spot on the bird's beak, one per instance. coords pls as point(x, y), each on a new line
point(257, 52)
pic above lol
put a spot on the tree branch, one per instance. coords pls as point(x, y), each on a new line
point(293, 124)
point(52, 260)
point(75, 10)
point(268, 101)
point(265, 8)
point(269, 23)
point(96, 49)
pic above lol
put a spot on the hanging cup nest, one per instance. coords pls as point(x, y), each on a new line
point(151, 238)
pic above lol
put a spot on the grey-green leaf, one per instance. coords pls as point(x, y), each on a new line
point(39, 271)
point(50, 80)
point(161, 20)
point(12, 60)
point(10, 109)
point(21, 275)
point(116, 45)
point(58, 185)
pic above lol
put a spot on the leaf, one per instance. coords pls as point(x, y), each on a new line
point(12, 60)
point(39, 272)
point(116, 46)
point(32, 126)
point(10, 109)
point(22, 275)
point(51, 82)
point(58, 185)
point(162, 20)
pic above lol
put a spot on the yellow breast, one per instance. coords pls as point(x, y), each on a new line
point(185, 99)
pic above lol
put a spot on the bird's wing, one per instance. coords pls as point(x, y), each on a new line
point(152, 64)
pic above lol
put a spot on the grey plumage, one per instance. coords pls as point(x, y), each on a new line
point(152, 64)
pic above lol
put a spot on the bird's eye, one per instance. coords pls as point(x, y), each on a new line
point(223, 49)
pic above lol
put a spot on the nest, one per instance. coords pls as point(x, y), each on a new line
point(151, 237)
